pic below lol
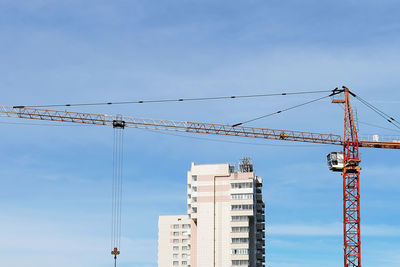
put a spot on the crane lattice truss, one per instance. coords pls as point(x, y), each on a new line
point(182, 126)
point(349, 142)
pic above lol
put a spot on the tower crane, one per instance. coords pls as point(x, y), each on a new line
point(347, 162)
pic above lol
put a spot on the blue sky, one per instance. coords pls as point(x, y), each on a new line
point(55, 181)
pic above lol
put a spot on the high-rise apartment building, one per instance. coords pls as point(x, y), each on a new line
point(226, 217)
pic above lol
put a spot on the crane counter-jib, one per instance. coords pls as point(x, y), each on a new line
point(379, 144)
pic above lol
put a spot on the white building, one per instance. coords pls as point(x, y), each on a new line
point(226, 217)
point(174, 240)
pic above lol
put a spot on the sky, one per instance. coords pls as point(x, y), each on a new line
point(55, 180)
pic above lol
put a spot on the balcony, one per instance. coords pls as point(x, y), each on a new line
point(260, 257)
point(260, 226)
point(260, 231)
point(261, 251)
point(239, 235)
point(260, 236)
point(239, 257)
point(242, 191)
point(261, 242)
point(240, 246)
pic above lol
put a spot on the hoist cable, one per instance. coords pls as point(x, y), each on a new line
point(117, 182)
point(120, 185)
point(172, 100)
point(280, 111)
point(114, 189)
point(113, 192)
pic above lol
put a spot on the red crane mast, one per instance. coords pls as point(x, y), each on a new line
point(351, 188)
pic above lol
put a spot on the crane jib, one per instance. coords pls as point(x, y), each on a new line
point(191, 127)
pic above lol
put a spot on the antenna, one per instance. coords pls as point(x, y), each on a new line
point(246, 165)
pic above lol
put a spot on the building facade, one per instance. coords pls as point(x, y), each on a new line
point(174, 240)
point(225, 211)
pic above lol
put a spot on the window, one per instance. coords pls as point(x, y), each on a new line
point(194, 199)
point(241, 185)
point(175, 256)
point(240, 262)
point(194, 188)
point(175, 248)
point(194, 210)
point(240, 229)
point(242, 196)
point(240, 219)
point(240, 240)
point(184, 256)
point(242, 207)
point(176, 226)
point(175, 233)
point(184, 240)
point(194, 177)
point(185, 233)
point(184, 262)
point(186, 248)
point(175, 263)
point(240, 251)
point(175, 241)
point(185, 226)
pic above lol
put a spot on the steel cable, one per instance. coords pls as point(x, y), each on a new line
point(387, 117)
point(117, 183)
point(280, 111)
point(172, 100)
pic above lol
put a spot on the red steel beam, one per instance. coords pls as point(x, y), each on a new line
point(351, 189)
